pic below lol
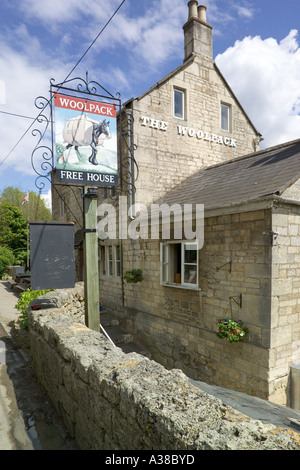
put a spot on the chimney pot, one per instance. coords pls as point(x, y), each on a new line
point(202, 13)
point(193, 5)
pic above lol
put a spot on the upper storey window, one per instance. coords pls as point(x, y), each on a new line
point(225, 117)
point(179, 103)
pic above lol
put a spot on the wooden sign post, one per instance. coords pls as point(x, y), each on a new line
point(91, 278)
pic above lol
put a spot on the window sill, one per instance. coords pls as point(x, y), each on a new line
point(182, 286)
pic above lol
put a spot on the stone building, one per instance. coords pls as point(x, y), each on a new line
point(187, 138)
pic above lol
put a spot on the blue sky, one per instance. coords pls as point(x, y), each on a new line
point(256, 46)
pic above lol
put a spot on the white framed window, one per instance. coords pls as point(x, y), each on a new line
point(179, 103)
point(110, 260)
point(179, 264)
point(225, 117)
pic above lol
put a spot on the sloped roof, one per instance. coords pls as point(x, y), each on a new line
point(264, 173)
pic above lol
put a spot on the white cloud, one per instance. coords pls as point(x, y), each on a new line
point(47, 199)
point(57, 11)
point(152, 35)
point(265, 76)
point(245, 12)
point(24, 81)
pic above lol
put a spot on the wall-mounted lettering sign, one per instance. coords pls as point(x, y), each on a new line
point(86, 141)
point(189, 132)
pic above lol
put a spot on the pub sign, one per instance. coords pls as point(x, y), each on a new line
point(86, 141)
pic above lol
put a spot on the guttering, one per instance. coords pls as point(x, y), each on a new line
point(129, 114)
point(286, 200)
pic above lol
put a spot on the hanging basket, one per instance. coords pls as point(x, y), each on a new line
point(232, 330)
point(134, 276)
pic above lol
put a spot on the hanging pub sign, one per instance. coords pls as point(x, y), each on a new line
point(86, 141)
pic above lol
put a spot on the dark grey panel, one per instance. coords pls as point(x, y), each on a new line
point(52, 255)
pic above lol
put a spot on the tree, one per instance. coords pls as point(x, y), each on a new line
point(13, 230)
point(34, 210)
point(6, 259)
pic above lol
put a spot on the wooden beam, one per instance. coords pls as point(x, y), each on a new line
point(91, 275)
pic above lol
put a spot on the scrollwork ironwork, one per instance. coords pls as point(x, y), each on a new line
point(84, 86)
point(42, 160)
point(129, 164)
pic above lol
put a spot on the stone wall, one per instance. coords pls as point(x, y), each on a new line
point(179, 325)
point(285, 317)
point(115, 401)
point(168, 149)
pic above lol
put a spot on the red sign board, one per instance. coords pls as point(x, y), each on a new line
point(86, 106)
point(86, 141)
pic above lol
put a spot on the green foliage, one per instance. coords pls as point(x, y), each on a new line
point(134, 276)
point(14, 218)
point(21, 258)
point(24, 300)
point(6, 259)
point(34, 210)
point(13, 227)
point(232, 330)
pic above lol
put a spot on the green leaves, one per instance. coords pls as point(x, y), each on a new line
point(13, 227)
point(6, 259)
point(232, 330)
point(33, 210)
point(134, 276)
point(14, 219)
point(24, 300)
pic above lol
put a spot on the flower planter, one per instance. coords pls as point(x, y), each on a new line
point(232, 330)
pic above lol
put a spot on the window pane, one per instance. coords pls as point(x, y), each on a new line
point(179, 103)
point(190, 263)
point(164, 273)
point(103, 258)
point(110, 261)
point(225, 117)
point(190, 274)
point(190, 254)
point(118, 260)
point(118, 268)
point(164, 253)
point(164, 263)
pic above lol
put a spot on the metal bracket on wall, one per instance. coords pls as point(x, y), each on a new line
point(237, 300)
point(273, 235)
point(226, 264)
point(91, 193)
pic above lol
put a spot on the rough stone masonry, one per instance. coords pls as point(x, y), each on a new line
point(110, 400)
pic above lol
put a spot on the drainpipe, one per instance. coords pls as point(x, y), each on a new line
point(130, 162)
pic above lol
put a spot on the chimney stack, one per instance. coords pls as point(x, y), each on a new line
point(197, 32)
